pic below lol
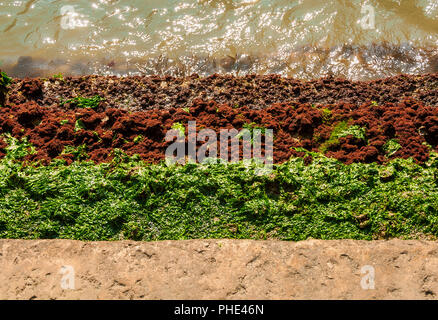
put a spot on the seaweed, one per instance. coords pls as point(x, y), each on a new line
point(128, 198)
point(81, 102)
point(5, 82)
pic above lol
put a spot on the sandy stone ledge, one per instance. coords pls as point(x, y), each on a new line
point(218, 269)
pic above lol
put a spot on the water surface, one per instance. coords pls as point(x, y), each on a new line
point(301, 38)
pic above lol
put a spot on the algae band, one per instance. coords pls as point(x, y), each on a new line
point(86, 166)
point(130, 199)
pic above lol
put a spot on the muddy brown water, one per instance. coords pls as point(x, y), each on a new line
point(355, 39)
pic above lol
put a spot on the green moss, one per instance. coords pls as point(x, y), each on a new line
point(334, 137)
point(5, 81)
point(130, 199)
point(17, 149)
point(81, 102)
point(391, 147)
point(138, 139)
point(180, 127)
point(355, 131)
point(342, 129)
point(79, 125)
point(58, 76)
point(326, 115)
point(79, 153)
point(252, 126)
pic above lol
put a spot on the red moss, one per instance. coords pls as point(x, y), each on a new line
point(295, 125)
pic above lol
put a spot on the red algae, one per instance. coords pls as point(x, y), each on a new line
point(413, 124)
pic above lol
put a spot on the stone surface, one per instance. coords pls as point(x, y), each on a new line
point(218, 269)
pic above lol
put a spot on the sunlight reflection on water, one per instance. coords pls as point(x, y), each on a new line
point(304, 39)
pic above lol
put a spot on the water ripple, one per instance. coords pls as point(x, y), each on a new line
point(304, 39)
